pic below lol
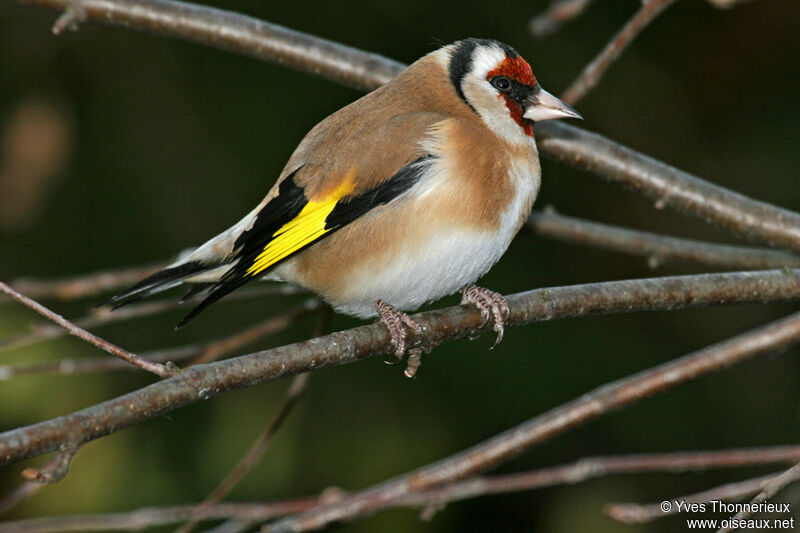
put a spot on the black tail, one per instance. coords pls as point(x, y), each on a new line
point(160, 281)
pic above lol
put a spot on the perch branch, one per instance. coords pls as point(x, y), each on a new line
point(203, 381)
point(656, 248)
point(512, 442)
point(156, 368)
point(668, 186)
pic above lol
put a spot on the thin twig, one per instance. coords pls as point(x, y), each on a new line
point(595, 467)
point(87, 365)
point(635, 513)
point(668, 186)
point(85, 285)
point(559, 12)
point(54, 471)
point(772, 487)
point(72, 16)
point(656, 248)
point(269, 326)
point(157, 516)
point(204, 381)
point(156, 368)
point(512, 442)
point(209, 351)
point(102, 316)
point(17, 496)
point(256, 451)
point(591, 74)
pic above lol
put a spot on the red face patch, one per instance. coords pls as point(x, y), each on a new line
point(515, 68)
point(519, 70)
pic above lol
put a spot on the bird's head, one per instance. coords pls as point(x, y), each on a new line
point(499, 85)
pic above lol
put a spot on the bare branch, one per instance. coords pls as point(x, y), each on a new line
point(269, 326)
point(559, 12)
point(635, 513)
point(204, 381)
point(770, 489)
point(157, 516)
point(102, 316)
point(156, 368)
point(656, 248)
point(670, 187)
point(54, 471)
point(576, 472)
point(71, 367)
point(242, 35)
point(514, 441)
point(20, 494)
point(256, 451)
point(594, 467)
point(92, 284)
point(591, 74)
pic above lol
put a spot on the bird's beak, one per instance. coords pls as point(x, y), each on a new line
point(544, 106)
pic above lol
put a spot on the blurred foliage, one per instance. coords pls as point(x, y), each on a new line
point(157, 144)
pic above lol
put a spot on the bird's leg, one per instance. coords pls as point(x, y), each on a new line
point(397, 322)
point(491, 305)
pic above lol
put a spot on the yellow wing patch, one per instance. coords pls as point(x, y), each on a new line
point(305, 228)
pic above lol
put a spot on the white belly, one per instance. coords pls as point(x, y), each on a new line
point(444, 263)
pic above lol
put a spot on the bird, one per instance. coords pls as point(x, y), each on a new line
point(409, 194)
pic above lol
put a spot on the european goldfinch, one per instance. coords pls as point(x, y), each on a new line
point(409, 194)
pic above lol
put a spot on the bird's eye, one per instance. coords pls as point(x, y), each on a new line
point(501, 83)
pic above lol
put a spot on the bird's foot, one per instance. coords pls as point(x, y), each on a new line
point(398, 324)
point(490, 304)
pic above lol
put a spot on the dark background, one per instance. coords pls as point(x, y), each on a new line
point(143, 146)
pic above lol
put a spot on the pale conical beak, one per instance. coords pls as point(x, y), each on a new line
point(545, 106)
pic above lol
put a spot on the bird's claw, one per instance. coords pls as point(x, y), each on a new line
point(398, 324)
point(491, 305)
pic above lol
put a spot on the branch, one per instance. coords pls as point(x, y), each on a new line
point(635, 513)
point(595, 467)
point(656, 248)
point(202, 353)
point(576, 472)
point(559, 12)
point(157, 516)
point(770, 489)
point(512, 442)
point(248, 36)
point(86, 365)
point(92, 284)
point(102, 316)
point(156, 368)
point(253, 455)
point(204, 381)
point(591, 74)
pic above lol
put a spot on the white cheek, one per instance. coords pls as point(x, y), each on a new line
point(493, 110)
